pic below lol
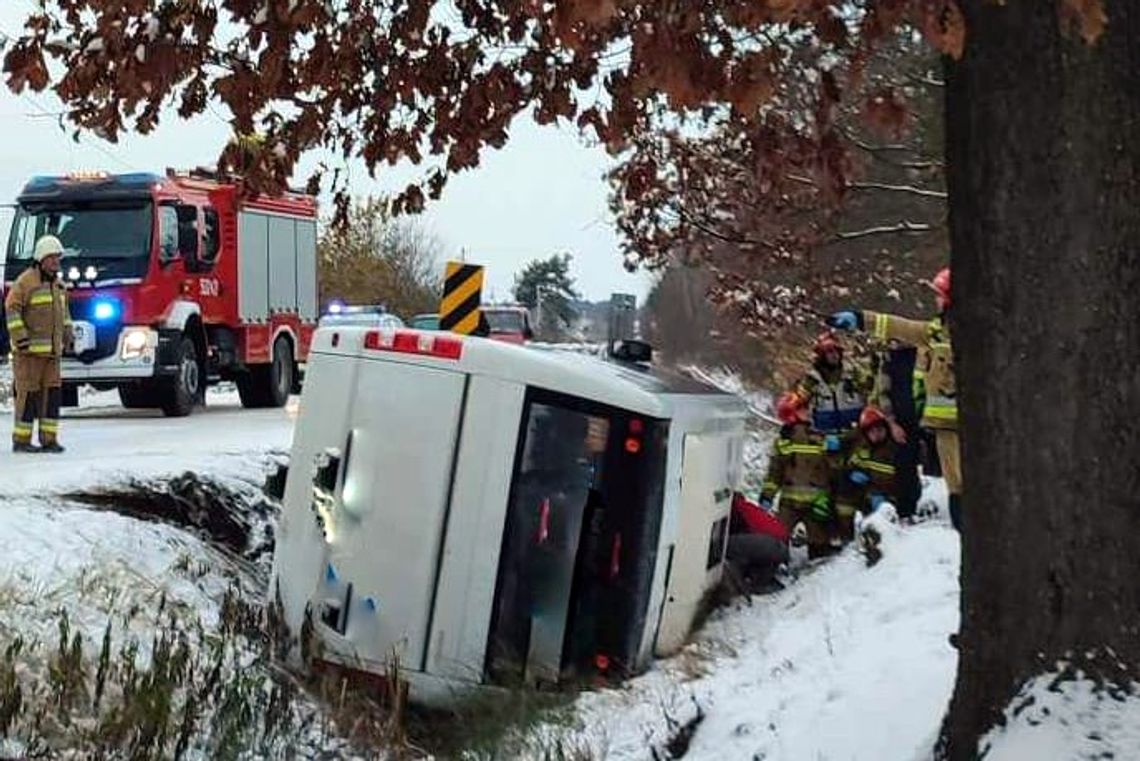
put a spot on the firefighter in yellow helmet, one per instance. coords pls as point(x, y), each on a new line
point(39, 326)
point(940, 412)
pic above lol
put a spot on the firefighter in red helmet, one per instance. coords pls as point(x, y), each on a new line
point(868, 475)
point(800, 474)
point(932, 338)
point(835, 392)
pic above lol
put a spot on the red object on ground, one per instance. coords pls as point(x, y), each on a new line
point(757, 519)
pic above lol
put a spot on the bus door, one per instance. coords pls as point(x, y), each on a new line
point(579, 543)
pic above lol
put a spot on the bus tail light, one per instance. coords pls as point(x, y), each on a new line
point(408, 342)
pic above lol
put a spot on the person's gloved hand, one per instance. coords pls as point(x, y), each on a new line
point(848, 319)
point(876, 500)
point(858, 477)
point(766, 503)
point(22, 344)
point(831, 442)
point(821, 509)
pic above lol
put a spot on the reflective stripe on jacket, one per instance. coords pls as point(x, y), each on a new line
point(38, 315)
point(799, 469)
point(877, 461)
point(835, 406)
point(936, 365)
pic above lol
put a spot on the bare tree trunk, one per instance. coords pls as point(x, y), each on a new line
point(1043, 155)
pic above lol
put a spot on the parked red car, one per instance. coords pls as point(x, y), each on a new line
point(510, 324)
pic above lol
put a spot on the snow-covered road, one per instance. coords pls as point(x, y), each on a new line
point(106, 443)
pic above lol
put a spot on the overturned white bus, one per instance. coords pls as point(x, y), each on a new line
point(494, 514)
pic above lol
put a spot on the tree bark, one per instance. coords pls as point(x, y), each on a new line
point(1043, 161)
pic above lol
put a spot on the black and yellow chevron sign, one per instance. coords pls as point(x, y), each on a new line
point(462, 294)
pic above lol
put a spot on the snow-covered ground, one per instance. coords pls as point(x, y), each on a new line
point(1067, 715)
point(74, 566)
point(58, 548)
point(847, 663)
point(107, 444)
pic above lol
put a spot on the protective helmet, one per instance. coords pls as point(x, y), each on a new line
point(827, 341)
point(941, 286)
point(48, 245)
point(791, 408)
point(871, 416)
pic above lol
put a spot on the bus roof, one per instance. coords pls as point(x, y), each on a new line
point(647, 390)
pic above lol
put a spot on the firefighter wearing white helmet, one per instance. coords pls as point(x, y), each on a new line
point(39, 326)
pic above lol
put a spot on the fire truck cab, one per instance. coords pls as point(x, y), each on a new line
point(176, 281)
point(488, 513)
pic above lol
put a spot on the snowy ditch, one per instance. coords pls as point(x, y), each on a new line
point(236, 516)
point(130, 626)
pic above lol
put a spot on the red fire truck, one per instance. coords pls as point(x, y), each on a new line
point(177, 282)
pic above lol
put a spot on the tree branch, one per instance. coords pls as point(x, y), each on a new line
point(905, 226)
point(897, 189)
point(925, 79)
point(689, 219)
point(924, 192)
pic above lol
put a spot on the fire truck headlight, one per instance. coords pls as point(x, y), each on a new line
point(136, 343)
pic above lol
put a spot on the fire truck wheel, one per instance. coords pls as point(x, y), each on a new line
point(181, 392)
point(269, 385)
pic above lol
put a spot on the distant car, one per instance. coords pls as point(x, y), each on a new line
point(424, 322)
point(364, 314)
point(510, 324)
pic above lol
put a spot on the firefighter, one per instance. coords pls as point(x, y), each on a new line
point(39, 327)
point(869, 475)
point(940, 408)
point(835, 393)
point(895, 384)
point(799, 472)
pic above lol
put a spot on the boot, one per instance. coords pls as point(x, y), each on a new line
point(27, 410)
point(956, 512)
point(52, 448)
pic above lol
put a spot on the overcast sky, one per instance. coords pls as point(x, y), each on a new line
point(542, 194)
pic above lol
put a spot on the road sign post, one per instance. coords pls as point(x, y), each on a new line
point(462, 295)
point(623, 312)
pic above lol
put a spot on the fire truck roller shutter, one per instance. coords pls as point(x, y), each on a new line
point(282, 264)
point(307, 269)
point(253, 266)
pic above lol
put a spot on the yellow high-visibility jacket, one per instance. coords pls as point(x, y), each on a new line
point(936, 362)
point(799, 468)
point(38, 315)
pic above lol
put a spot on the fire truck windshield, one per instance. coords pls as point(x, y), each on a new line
point(87, 230)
